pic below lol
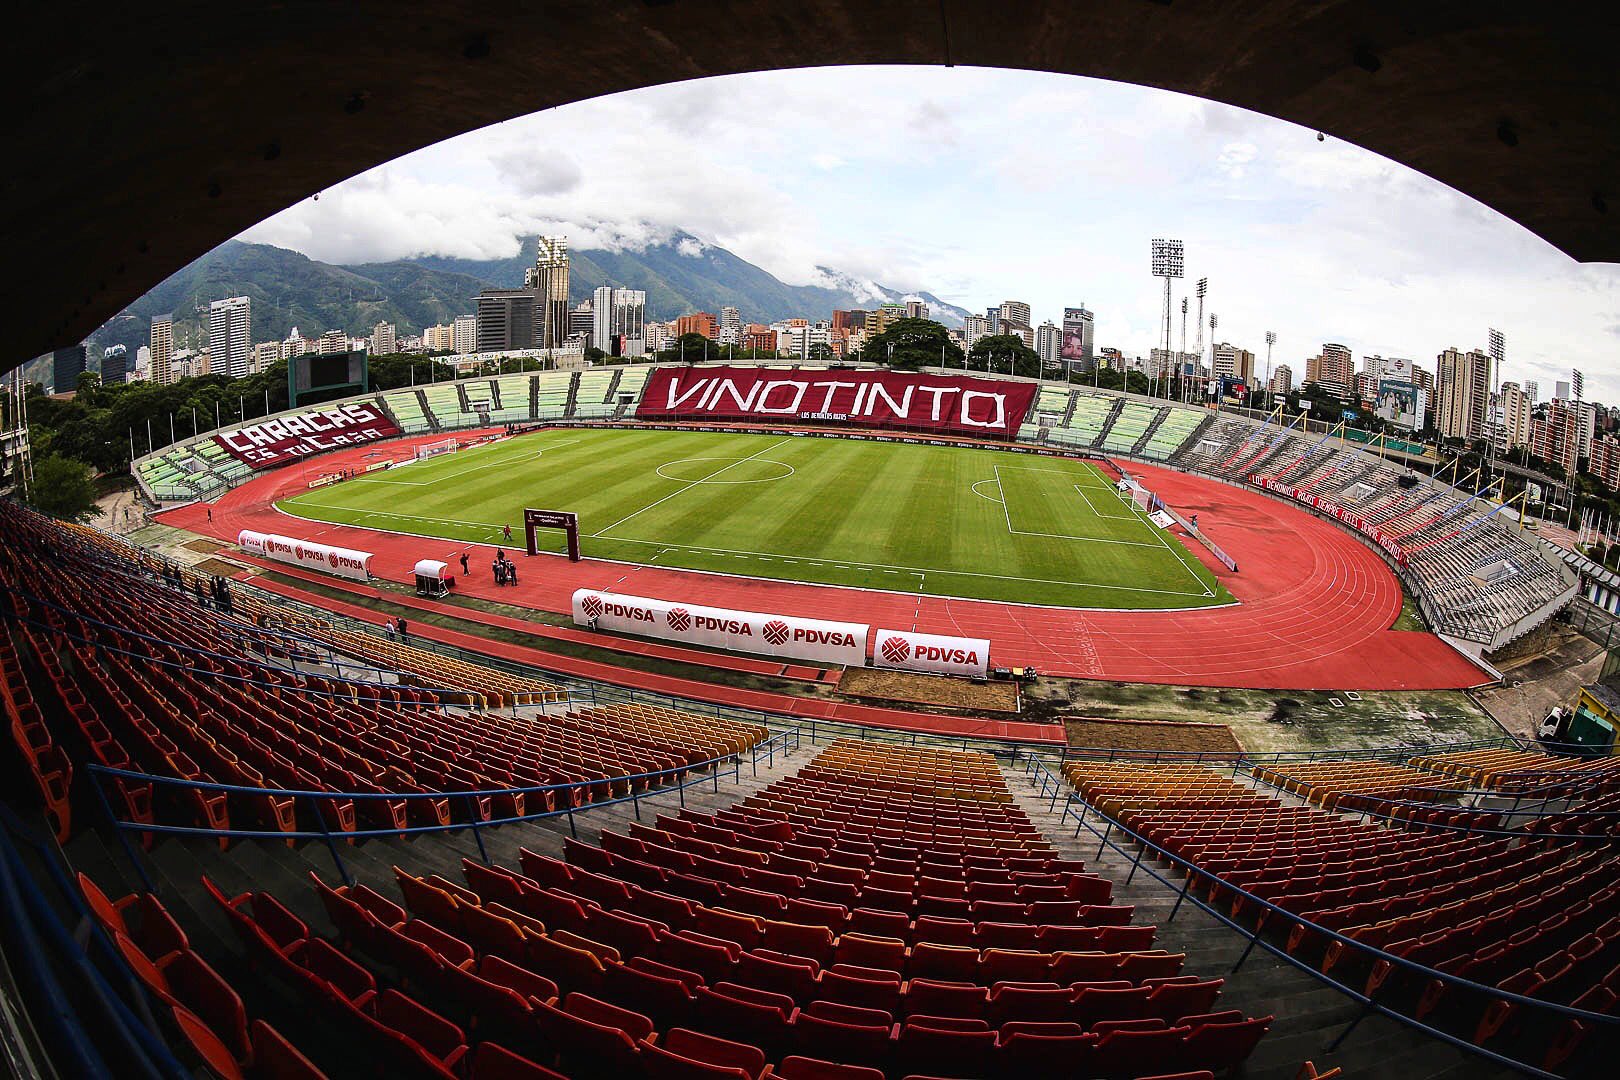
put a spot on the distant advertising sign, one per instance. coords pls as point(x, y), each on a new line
point(903, 650)
point(1399, 402)
point(288, 438)
point(723, 628)
point(956, 404)
point(341, 562)
point(1074, 345)
point(1234, 391)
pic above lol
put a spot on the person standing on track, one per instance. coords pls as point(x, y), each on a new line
point(506, 530)
point(463, 564)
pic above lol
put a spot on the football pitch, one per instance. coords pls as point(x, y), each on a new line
point(935, 520)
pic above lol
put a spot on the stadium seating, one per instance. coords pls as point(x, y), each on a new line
point(513, 399)
point(1536, 916)
point(1129, 426)
point(213, 696)
point(697, 947)
point(405, 405)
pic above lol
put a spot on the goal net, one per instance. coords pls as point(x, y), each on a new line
point(1141, 499)
point(449, 446)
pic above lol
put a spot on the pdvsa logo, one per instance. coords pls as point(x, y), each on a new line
point(776, 632)
point(592, 606)
point(331, 558)
point(679, 619)
point(896, 650)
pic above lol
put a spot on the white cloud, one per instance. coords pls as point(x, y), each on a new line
point(980, 185)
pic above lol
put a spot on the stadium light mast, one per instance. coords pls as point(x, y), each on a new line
point(1496, 345)
point(1203, 290)
point(1169, 264)
point(1212, 321)
point(1271, 339)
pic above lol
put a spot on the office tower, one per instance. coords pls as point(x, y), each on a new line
point(505, 320)
point(162, 346)
point(66, 367)
point(1049, 344)
point(230, 336)
point(548, 277)
point(1079, 336)
point(619, 321)
point(916, 309)
point(115, 365)
point(701, 322)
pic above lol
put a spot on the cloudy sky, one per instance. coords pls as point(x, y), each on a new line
point(981, 186)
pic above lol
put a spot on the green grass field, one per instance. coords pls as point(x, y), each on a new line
point(942, 521)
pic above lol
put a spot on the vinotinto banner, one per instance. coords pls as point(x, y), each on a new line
point(958, 405)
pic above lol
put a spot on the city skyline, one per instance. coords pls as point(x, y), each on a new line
point(1318, 240)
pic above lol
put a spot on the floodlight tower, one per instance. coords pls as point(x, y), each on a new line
point(1168, 263)
point(1496, 345)
point(1203, 290)
point(1212, 322)
point(1271, 339)
point(1183, 324)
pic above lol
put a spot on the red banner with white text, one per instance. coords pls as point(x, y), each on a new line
point(299, 435)
point(959, 405)
point(1378, 536)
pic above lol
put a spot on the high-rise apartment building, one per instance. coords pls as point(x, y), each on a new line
point(384, 341)
point(1049, 344)
point(916, 309)
point(882, 317)
point(1513, 428)
point(1015, 311)
point(548, 278)
point(230, 336)
point(1563, 435)
point(1333, 369)
point(619, 321)
point(974, 327)
point(853, 319)
point(1282, 379)
point(1463, 391)
point(699, 322)
point(438, 338)
point(730, 325)
point(265, 354)
point(1231, 362)
point(1532, 390)
point(162, 345)
point(758, 338)
point(464, 334)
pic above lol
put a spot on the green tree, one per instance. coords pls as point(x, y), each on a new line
point(822, 353)
point(999, 352)
point(691, 349)
point(594, 356)
point(63, 489)
point(913, 344)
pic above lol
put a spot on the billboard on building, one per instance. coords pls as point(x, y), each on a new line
point(1399, 402)
point(1234, 391)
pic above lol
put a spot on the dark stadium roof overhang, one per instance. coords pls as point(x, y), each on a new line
point(143, 135)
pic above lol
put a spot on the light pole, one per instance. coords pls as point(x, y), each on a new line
point(1203, 290)
point(1271, 339)
point(1212, 321)
point(1169, 262)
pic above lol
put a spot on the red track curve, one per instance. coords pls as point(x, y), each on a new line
point(1314, 610)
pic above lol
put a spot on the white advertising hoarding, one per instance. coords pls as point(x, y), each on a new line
point(906, 651)
point(343, 562)
point(723, 628)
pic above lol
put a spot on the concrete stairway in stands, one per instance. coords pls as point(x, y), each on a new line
point(1309, 1014)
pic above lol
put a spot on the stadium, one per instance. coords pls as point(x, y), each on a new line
point(513, 726)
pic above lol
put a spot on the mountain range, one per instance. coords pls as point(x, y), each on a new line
point(291, 290)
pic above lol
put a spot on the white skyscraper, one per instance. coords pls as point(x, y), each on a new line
point(730, 326)
point(622, 314)
point(230, 336)
point(1048, 343)
point(464, 334)
point(548, 277)
point(383, 340)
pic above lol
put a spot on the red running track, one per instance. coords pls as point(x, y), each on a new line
point(1314, 610)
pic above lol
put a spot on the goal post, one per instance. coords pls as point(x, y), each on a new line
point(448, 446)
point(535, 520)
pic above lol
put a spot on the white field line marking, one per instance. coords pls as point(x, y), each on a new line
point(975, 489)
point(911, 569)
point(1081, 490)
point(280, 509)
point(502, 459)
point(1060, 536)
point(690, 485)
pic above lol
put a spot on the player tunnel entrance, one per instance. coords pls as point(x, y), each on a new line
point(535, 520)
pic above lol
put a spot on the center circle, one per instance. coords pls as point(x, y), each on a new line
point(719, 470)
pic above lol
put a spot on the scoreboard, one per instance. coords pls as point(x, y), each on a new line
point(317, 377)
